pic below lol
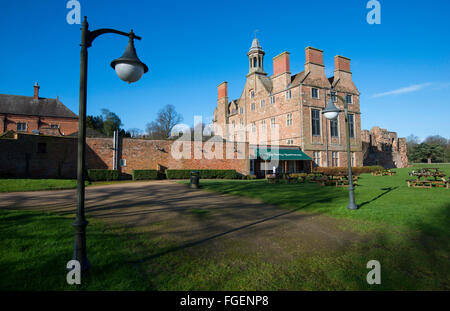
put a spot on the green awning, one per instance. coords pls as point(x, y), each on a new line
point(281, 154)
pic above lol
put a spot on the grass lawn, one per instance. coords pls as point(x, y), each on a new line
point(408, 232)
point(35, 248)
point(19, 185)
point(405, 229)
point(13, 185)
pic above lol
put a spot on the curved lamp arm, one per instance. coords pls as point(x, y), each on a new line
point(92, 35)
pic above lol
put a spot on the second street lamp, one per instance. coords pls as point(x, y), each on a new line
point(331, 112)
point(130, 69)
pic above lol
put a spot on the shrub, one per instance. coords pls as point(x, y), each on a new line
point(205, 174)
point(101, 174)
point(251, 177)
point(146, 174)
point(343, 170)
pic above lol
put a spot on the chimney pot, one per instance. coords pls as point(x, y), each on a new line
point(36, 91)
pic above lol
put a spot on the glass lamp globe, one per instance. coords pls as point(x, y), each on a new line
point(331, 115)
point(129, 72)
point(331, 111)
point(128, 67)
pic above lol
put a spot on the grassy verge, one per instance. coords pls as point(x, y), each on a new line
point(35, 248)
point(13, 185)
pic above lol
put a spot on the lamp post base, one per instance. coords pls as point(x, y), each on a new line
point(79, 252)
point(351, 200)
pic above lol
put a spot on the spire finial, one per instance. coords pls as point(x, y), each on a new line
point(256, 30)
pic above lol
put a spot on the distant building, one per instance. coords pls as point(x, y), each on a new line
point(294, 103)
point(34, 114)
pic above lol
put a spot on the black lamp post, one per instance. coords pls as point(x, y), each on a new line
point(130, 69)
point(331, 112)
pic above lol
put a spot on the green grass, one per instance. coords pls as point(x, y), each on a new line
point(13, 185)
point(35, 248)
point(406, 229)
point(383, 200)
point(20, 185)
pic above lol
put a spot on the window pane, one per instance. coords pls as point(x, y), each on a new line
point(315, 122)
point(352, 125)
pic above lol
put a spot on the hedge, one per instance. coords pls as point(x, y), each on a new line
point(205, 174)
point(146, 174)
point(343, 170)
point(101, 174)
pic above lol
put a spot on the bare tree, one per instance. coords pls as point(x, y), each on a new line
point(167, 118)
point(135, 133)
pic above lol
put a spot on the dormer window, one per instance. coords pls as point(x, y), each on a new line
point(315, 93)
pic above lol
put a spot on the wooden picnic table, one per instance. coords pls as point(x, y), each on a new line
point(423, 179)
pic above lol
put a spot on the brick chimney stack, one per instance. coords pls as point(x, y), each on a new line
point(314, 62)
point(341, 63)
point(222, 90)
point(36, 91)
point(314, 56)
point(281, 64)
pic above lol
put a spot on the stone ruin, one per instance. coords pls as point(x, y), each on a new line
point(382, 147)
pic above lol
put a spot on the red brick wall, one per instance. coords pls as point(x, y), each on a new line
point(156, 154)
point(20, 157)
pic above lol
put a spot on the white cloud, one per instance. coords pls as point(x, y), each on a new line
point(408, 89)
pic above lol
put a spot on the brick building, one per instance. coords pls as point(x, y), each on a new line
point(293, 102)
point(33, 113)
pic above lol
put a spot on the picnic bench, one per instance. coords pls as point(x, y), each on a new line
point(273, 179)
point(384, 173)
point(428, 178)
point(340, 180)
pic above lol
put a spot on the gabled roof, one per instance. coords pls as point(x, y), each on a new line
point(27, 105)
point(297, 78)
point(266, 82)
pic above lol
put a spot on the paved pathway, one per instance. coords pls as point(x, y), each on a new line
point(188, 217)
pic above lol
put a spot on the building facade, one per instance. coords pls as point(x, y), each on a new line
point(34, 114)
point(293, 103)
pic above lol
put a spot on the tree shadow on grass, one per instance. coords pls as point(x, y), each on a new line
point(386, 191)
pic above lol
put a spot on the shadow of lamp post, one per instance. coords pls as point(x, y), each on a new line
point(129, 69)
point(331, 112)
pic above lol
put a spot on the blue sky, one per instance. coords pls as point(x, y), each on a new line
point(401, 67)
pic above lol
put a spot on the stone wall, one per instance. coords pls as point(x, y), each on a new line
point(39, 156)
point(382, 147)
